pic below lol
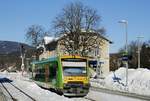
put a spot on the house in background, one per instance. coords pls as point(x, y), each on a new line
point(98, 56)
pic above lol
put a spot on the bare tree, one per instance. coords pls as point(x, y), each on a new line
point(132, 52)
point(35, 34)
point(145, 55)
point(78, 25)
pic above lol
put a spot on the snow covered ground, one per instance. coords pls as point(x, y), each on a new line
point(28, 86)
point(138, 81)
point(32, 89)
point(100, 96)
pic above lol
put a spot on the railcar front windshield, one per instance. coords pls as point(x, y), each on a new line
point(72, 71)
point(73, 67)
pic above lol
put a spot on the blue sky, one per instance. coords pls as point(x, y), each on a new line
point(17, 15)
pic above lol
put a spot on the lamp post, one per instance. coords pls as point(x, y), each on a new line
point(139, 50)
point(126, 46)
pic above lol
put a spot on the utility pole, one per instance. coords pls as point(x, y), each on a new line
point(139, 50)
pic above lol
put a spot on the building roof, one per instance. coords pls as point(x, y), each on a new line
point(106, 39)
point(48, 39)
point(50, 59)
point(99, 35)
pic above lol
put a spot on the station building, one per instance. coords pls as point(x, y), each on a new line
point(98, 56)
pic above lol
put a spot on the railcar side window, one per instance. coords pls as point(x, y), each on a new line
point(53, 70)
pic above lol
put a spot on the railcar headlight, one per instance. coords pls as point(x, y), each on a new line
point(87, 85)
point(66, 86)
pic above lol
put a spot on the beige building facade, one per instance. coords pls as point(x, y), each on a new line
point(100, 57)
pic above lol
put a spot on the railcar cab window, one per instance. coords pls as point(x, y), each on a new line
point(73, 67)
point(70, 71)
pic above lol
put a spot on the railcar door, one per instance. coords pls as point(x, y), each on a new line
point(53, 72)
point(46, 73)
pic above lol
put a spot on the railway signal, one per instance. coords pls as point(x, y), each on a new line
point(22, 57)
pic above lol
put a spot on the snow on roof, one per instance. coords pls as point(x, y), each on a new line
point(39, 46)
point(48, 39)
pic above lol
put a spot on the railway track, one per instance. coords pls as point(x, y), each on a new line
point(7, 85)
point(8, 92)
point(90, 99)
point(127, 94)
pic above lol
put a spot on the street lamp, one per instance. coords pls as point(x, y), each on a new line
point(126, 50)
point(139, 50)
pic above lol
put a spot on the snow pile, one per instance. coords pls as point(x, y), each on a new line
point(138, 81)
point(116, 80)
point(4, 72)
point(16, 75)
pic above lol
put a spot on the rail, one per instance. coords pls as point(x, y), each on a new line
point(12, 97)
point(115, 92)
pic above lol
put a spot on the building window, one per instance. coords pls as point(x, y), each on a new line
point(97, 51)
